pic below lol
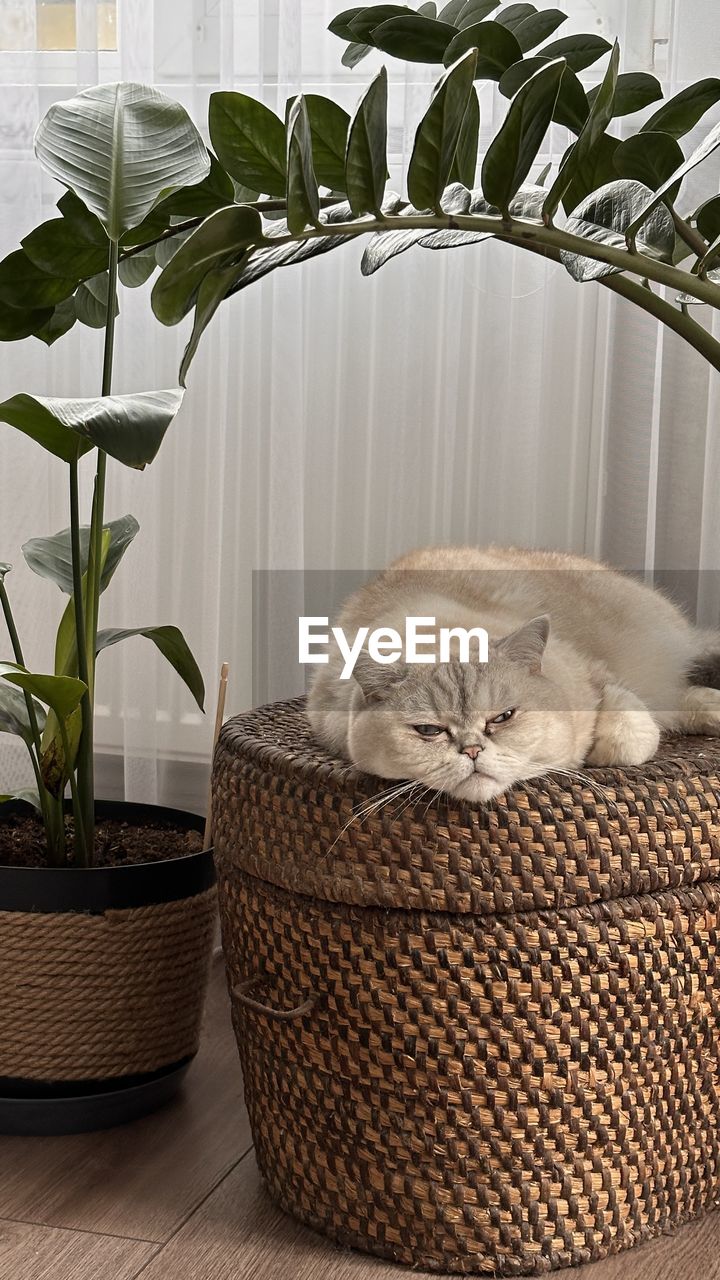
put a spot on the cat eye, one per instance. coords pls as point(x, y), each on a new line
point(504, 715)
point(429, 730)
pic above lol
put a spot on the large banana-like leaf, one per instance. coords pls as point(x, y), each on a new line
point(27, 794)
point(52, 557)
point(130, 428)
point(172, 645)
point(14, 716)
point(121, 148)
point(61, 693)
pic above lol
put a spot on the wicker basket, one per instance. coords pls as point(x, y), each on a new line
point(475, 1040)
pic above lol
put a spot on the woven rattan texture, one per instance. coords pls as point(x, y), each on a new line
point(284, 810)
point(486, 1087)
point(87, 997)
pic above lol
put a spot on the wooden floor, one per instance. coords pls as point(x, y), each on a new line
point(177, 1197)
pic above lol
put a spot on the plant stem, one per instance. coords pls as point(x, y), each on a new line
point(689, 235)
point(262, 206)
point(86, 778)
point(82, 848)
point(50, 809)
point(524, 232)
point(81, 640)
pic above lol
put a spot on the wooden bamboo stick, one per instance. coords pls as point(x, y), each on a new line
point(219, 713)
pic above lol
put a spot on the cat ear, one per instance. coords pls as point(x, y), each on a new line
point(377, 679)
point(527, 644)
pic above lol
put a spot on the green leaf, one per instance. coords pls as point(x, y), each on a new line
point(413, 38)
point(429, 9)
point(355, 53)
point(214, 192)
point(701, 152)
point(36, 418)
point(61, 319)
point(130, 428)
point(513, 14)
point(680, 114)
point(651, 158)
point(14, 716)
point(89, 310)
point(593, 129)
point(260, 262)
point(84, 224)
point(464, 166)
point(249, 140)
point(496, 45)
point(172, 645)
point(52, 557)
point(135, 271)
point(512, 152)
point(138, 146)
point(452, 10)
point(438, 134)
point(474, 11)
point(303, 202)
point(571, 108)
point(594, 171)
point(707, 219)
point(340, 25)
point(604, 218)
point(633, 91)
point(61, 693)
point(366, 156)
point(27, 794)
point(362, 25)
point(16, 324)
point(329, 126)
point(578, 51)
point(27, 287)
point(537, 27)
point(385, 245)
point(56, 249)
point(214, 288)
point(218, 242)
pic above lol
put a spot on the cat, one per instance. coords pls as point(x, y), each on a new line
point(586, 666)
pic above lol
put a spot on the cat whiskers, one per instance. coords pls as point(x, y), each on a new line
point(374, 804)
point(589, 782)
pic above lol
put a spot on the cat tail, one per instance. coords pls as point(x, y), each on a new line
point(704, 668)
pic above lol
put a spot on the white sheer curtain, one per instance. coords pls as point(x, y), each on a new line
point(332, 422)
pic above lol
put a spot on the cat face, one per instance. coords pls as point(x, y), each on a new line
point(468, 729)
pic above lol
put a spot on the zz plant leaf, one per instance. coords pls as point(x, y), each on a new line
point(599, 118)
point(438, 134)
point(249, 141)
point(512, 152)
point(171, 643)
point(303, 201)
point(366, 155)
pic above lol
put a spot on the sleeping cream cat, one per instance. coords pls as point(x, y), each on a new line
point(585, 666)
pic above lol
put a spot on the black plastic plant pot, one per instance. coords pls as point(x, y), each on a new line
point(103, 973)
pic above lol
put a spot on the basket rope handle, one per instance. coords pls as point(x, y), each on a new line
point(281, 1015)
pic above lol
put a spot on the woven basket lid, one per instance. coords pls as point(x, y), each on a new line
point(288, 813)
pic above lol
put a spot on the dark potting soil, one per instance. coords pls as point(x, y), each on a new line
point(117, 844)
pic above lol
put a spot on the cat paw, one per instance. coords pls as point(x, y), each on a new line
point(625, 732)
point(700, 712)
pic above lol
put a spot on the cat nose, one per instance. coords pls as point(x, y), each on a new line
point(474, 751)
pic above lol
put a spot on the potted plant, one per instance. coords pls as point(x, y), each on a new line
point(143, 191)
point(107, 912)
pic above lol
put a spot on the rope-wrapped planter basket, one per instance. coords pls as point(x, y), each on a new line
point(474, 1039)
